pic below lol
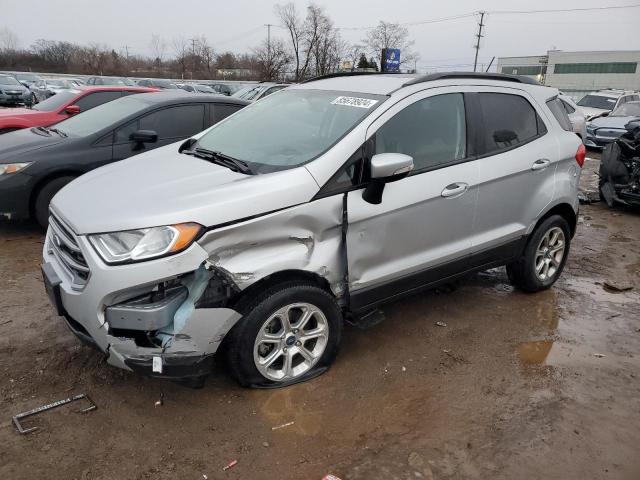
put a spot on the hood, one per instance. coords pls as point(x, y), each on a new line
point(20, 112)
point(15, 116)
point(14, 88)
point(165, 187)
point(592, 112)
point(20, 142)
point(610, 122)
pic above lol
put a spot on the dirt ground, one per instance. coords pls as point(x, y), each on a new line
point(515, 386)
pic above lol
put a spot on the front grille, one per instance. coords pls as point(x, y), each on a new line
point(64, 246)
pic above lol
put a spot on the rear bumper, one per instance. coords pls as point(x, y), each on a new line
point(15, 190)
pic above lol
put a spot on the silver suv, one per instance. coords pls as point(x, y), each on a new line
point(258, 238)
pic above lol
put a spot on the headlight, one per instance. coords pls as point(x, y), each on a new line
point(7, 168)
point(144, 243)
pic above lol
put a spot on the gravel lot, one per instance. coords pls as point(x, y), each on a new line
point(514, 386)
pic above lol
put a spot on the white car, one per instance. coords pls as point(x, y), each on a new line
point(576, 116)
point(596, 103)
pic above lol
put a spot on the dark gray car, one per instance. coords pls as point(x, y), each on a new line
point(605, 129)
point(12, 92)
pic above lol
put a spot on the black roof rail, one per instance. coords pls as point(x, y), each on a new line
point(346, 74)
point(503, 77)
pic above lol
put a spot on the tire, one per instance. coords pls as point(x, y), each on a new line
point(542, 251)
point(43, 199)
point(262, 315)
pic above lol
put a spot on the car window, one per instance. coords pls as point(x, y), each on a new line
point(123, 133)
point(558, 108)
point(508, 121)
point(56, 101)
point(220, 111)
point(597, 101)
point(94, 99)
point(175, 122)
point(567, 107)
point(432, 131)
point(350, 175)
point(272, 90)
point(630, 109)
point(7, 80)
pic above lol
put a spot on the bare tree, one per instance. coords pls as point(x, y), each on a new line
point(181, 51)
point(271, 59)
point(158, 47)
point(390, 35)
point(353, 53)
point(8, 40)
point(289, 17)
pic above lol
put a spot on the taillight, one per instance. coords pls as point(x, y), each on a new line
point(580, 154)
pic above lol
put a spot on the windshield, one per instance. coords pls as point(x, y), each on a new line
point(288, 129)
point(58, 83)
point(251, 93)
point(204, 89)
point(116, 81)
point(7, 80)
point(627, 110)
point(27, 77)
point(100, 117)
point(57, 101)
point(164, 83)
point(597, 101)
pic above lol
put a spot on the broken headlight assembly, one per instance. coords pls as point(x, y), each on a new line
point(144, 243)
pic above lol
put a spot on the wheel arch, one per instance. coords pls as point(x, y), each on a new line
point(37, 187)
point(566, 211)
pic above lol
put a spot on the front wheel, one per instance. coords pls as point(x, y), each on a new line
point(287, 335)
point(43, 199)
point(544, 256)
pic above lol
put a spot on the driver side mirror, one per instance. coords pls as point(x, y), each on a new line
point(385, 168)
point(144, 136)
point(72, 109)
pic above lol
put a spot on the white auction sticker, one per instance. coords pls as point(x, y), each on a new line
point(355, 102)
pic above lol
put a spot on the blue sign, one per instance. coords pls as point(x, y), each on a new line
point(391, 58)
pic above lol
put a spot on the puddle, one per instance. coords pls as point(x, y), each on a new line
point(596, 292)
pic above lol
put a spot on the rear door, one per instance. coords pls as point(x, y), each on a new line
point(421, 231)
point(517, 162)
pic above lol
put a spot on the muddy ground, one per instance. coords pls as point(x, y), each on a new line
point(515, 386)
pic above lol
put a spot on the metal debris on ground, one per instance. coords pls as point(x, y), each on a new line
point(617, 287)
point(282, 426)
point(441, 324)
point(230, 465)
point(50, 406)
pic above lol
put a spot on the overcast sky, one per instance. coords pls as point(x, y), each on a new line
point(237, 25)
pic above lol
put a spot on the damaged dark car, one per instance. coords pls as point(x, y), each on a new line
point(620, 168)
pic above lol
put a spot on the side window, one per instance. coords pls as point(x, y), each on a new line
point(509, 120)
point(220, 111)
point(558, 108)
point(432, 131)
point(144, 83)
point(94, 99)
point(567, 107)
point(123, 133)
point(348, 176)
point(175, 122)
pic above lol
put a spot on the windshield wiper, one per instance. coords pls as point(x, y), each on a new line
point(42, 130)
point(220, 159)
point(48, 130)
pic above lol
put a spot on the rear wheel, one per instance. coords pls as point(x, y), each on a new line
point(43, 199)
point(544, 256)
point(287, 335)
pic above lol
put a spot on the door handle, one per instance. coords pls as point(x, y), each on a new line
point(454, 190)
point(540, 164)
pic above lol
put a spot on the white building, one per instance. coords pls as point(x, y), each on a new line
point(577, 73)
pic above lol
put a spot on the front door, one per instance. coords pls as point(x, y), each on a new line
point(423, 225)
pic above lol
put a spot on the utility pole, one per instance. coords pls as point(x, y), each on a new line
point(268, 25)
point(479, 36)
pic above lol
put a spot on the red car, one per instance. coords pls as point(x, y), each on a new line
point(62, 105)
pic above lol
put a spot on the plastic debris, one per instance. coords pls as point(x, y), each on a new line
point(231, 464)
point(599, 355)
point(404, 369)
point(282, 426)
point(330, 477)
point(441, 324)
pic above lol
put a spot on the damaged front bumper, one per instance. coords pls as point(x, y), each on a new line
point(164, 318)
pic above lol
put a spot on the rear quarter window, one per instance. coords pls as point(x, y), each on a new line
point(557, 107)
point(508, 121)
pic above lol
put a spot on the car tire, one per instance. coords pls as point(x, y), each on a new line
point(544, 256)
point(285, 357)
point(43, 199)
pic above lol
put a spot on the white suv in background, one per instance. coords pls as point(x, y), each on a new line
point(604, 101)
point(314, 205)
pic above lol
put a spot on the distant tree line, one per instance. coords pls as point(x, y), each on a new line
point(304, 46)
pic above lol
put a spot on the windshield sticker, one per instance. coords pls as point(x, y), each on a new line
point(355, 102)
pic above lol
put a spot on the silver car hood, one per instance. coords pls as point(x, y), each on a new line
point(590, 111)
point(164, 187)
point(611, 122)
